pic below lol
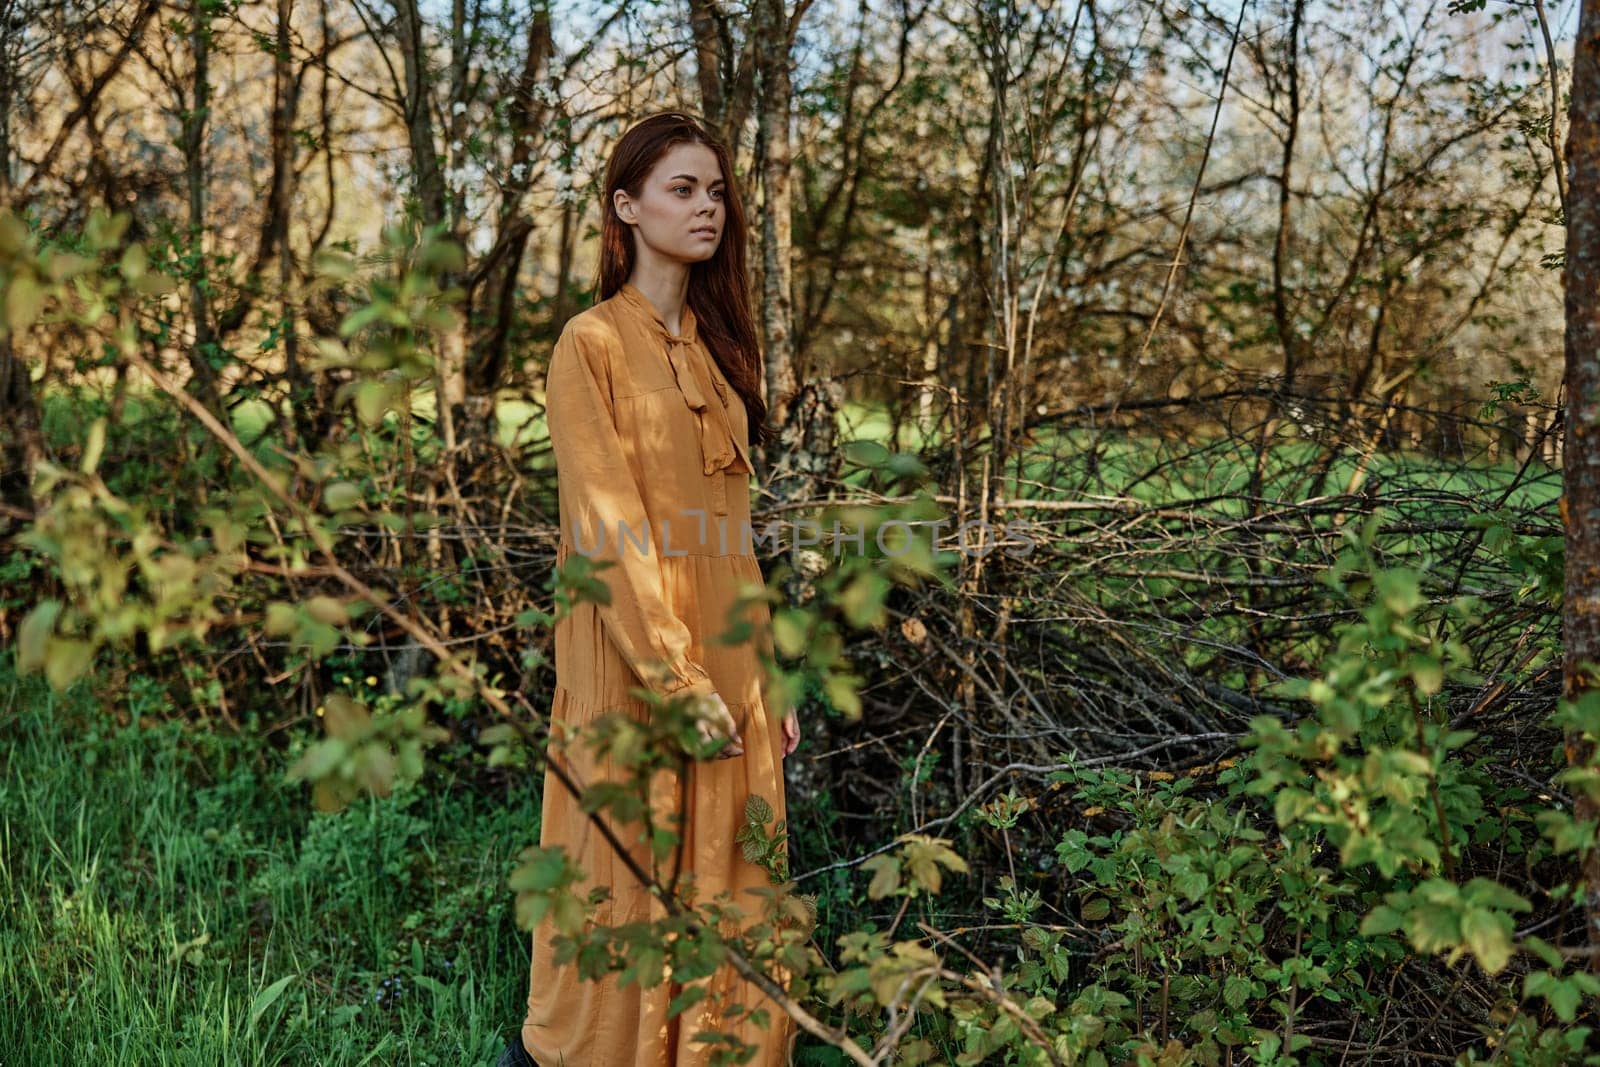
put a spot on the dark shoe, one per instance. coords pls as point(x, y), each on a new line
point(515, 1055)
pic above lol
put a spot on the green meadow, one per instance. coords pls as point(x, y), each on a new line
point(169, 900)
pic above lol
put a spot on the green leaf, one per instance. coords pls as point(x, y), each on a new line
point(863, 599)
point(1582, 714)
point(1566, 834)
point(267, 997)
point(566, 911)
point(341, 496)
point(690, 996)
point(68, 660)
point(105, 228)
point(1544, 950)
point(886, 876)
point(319, 761)
point(134, 262)
point(1488, 893)
point(13, 233)
point(1071, 851)
point(334, 264)
point(372, 400)
point(327, 610)
point(1434, 928)
point(94, 446)
point(375, 767)
point(345, 718)
point(1381, 920)
point(790, 632)
point(33, 636)
point(757, 810)
point(542, 870)
point(360, 318)
point(866, 452)
point(442, 255)
point(1427, 673)
point(841, 692)
point(1096, 908)
point(1562, 996)
point(1191, 884)
point(24, 300)
point(1292, 804)
point(1488, 934)
point(280, 619)
point(1399, 589)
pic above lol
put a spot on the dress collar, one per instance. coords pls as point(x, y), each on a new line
point(641, 303)
point(691, 368)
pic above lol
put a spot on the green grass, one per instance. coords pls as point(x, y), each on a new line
point(168, 900)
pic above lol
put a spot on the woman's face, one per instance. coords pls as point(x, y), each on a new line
point(679, 211)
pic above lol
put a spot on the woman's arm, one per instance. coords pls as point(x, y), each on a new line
point(599, 500)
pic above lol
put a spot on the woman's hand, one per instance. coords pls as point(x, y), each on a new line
point(791, 732)
point(714, 720)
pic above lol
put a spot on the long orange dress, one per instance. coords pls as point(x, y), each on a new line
point(649, 435)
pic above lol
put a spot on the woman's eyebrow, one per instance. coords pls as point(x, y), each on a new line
point(692, 178)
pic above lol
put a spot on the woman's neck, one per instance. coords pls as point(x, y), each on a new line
point(666, 286)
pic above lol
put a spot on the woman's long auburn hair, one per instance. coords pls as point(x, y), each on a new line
point(719, 287)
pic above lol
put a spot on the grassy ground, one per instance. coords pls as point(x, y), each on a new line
point(167, 900)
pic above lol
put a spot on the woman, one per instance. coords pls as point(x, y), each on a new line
point(651, 397)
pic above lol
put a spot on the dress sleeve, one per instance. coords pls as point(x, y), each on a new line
point(600, 498)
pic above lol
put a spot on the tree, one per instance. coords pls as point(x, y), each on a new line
point(1580, 502)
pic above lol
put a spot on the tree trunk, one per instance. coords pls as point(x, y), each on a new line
point(286, 100)
point(1282, 313)
point(807, 451)
point(19, 412)
point(24, 440)
point(527, 115)
point(431, 191)
point(419, 120)
point(194, 157)
point(1580, 473)
point(709, 50)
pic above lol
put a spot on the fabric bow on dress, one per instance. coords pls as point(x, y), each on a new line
point(691, 369)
